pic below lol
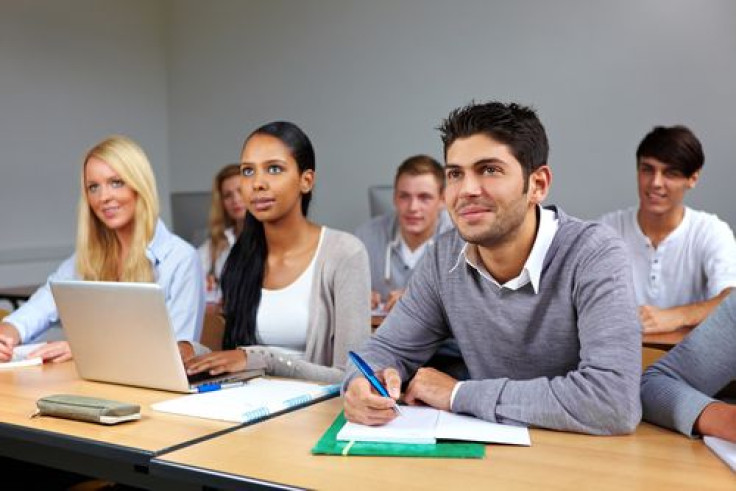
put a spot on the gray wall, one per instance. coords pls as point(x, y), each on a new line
point(368, 81)
point(71, 72)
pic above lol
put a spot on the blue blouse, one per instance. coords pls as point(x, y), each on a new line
point(176, 269)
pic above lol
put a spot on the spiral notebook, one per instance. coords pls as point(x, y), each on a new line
point(258, 399)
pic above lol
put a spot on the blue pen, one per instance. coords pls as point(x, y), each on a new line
point(217, 386)
point(368, 373)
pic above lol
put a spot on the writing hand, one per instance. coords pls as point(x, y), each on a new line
point(9, 338)
point(430, 387)
point(365, 406)
point(6, 348)
point(217, 362)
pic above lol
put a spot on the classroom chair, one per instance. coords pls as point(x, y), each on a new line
point(213, 329)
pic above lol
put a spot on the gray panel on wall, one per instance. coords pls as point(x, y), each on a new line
point(189, 214)
point(72, 72)
point(370, 81)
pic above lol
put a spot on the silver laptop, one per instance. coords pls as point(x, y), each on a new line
point(121, 333)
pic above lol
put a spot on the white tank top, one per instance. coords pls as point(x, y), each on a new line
point(283, 315)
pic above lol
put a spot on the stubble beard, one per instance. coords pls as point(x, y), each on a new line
point(504, 228)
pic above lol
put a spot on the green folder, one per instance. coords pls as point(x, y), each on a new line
point(329, 445)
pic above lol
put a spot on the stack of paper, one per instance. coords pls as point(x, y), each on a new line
point(424, 425)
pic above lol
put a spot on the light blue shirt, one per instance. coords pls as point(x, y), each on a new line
point(176, 269)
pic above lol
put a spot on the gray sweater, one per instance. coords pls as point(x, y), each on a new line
point(566, 358)
point(676, 389)
point(339, 314)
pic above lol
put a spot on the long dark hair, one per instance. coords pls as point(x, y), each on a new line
point(242, 277)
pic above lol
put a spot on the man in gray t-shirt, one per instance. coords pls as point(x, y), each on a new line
point(541, 304)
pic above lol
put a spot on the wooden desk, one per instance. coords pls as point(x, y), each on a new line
point(121, 452)
point(666, 340)
point(17, 294)
point(276, 452)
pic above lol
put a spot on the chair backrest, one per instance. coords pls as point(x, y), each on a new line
point(381, 199)
point(650, 355)
point(213, 330)
point(190, 213)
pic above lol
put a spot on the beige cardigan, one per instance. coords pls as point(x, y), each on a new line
point(339, 314)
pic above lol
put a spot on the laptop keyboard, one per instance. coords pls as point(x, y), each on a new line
point(205, 377)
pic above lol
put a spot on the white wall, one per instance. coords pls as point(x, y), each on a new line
point(369, 82)
point(71, 72)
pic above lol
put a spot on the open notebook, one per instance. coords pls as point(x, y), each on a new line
point(257, 399)
point(426, 425)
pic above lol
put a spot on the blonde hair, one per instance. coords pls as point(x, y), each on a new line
point(219, 219)
point(98, 249)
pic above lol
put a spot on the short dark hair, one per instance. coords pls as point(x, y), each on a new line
point(512, 124)
point(675, 146)
point(421, 164)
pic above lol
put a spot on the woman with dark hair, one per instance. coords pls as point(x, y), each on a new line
point(295, 294)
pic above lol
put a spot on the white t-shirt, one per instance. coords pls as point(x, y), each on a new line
point(411, 258)
point(214, 295)
point(283, 315)
point(694, 263)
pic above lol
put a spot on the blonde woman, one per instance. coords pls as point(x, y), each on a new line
point(119, 238)
point(227, 213)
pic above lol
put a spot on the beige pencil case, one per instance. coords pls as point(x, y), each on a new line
point(83, 408)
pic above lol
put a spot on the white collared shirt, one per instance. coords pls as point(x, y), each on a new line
point(532, 270)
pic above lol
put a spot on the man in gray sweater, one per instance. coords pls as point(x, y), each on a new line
point(541, 304)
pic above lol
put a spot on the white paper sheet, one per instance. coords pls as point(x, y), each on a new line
point(426, 425)
point(415, 425)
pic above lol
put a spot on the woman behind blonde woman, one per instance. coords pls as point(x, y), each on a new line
point(227, 212)
point(119, 238)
